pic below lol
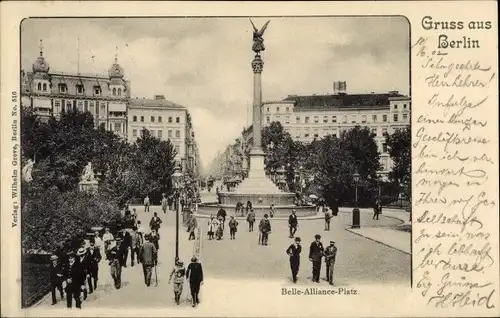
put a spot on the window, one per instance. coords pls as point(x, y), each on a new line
point(152, 119)
point(344, 119)
point(177, 149)
point(288, 109)
point(169, 133)
point(177, 119)
point(405, 117)
point(114, 91)
point(91, 107)
point(306, 119)
point(268, 109)
point(134, 119)
point(395, 106)
point(103, 107)
point(268, 120)
point(39, 86)
point(384, 118)
point(152, 133)
point(316, 119)
point(287, 119)
point(142, 119)
point(86, 106)
point(118, 127)
point(63, 105)
point(297, 119)
point(277, 109)
point(119, 92)
point(159, 119)
point(44, 87)
point(395, 117)
point(80, 106)
point(170, 119)
point(404, 106)
point(316, 134)
point(353, 119)
point(325, 119)
point(79, 89)
point(177, 133)
point(160, 133)
point(334, 119)
point(278, 117)
point(374, 118)
point(62, 88)
point(363, 119)
point(134, 133)
point(306, 134)
point(384, 147)
point(297, 134)
point(57, 104)
point(334, 134)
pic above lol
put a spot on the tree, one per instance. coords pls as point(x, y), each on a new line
point(276, 143)
point(399, 147)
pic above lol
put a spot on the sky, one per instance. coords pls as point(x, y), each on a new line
point(204, 64)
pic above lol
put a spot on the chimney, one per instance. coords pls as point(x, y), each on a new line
point(159, 97)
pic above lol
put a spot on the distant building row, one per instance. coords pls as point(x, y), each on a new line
point(107, 98)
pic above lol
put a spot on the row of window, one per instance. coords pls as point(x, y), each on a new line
point(333, 131)
point(345, 119)
point(159, 133)
point(80, 90)
point(287, 109)
point(160, 120)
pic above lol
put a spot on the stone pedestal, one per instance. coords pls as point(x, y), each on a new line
point(88, 186)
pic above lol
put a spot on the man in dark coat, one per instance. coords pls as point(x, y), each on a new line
point(294, 251)
point(315, 255)
point(125, 242)
point(84, 262)
point(330, 255)
point(195, 275)
point(56, 278)
point(75, 281)
point(148, 256)
point(222, 214)
point(265, 229)
point(377, 209)
point(95, 257)
point(292, 223)
point(155, 222)
point(115, 261)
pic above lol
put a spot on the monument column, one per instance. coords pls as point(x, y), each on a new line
point(256, 153)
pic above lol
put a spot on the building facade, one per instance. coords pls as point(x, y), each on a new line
point(315, 116)
point(167, 121)
point(105, 96)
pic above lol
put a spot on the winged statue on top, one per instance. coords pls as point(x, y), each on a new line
point(258, 40)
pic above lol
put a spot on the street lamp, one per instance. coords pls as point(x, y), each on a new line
point(177, 183)
point(356, 180)
point(355, 212)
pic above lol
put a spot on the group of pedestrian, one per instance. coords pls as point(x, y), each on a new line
point(193, 274)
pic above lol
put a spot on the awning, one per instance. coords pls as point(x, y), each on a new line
point(117, 107)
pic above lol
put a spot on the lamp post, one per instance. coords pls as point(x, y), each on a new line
point(355, 211)
point(177, 183)
point(356, 180)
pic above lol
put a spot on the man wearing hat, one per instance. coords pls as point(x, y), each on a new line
point(114, 258)
point(265, 229)
point(84, 262)
point(75, 280)
point(293, 223)
point(56, 278)
point(148, 256)
point(107, 238)
point(178, 272)
point(330, 255)
point(316, 251)
point(94, 256)
point(195, 275)
point(294, 251)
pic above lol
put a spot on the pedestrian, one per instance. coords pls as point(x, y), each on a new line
point(94, 256)
point(114, 258)
point(293, 222)
point(335, 207)
point(194, 274)
point(154, 238)
point(212, 227)
point(377, 208)
point(315, 255)
point(178, 273)
point(155, 222)
point(135, 245)
point(149, 256)
point(233, 227)
point(294, 251)
point(99, 243)
point(265, 229)
point(123, 247)
point(219, 233)
point(328, 217)
point(164, 203)
point(249, 206)
point(330, 255)
point(170, 202)
point(56, 278)
point(221, 215)
point(192, 225)
point(251, 220)
point(107, 238)
point(140, 229)
point(146, 203)
point(75, 280)
point(84, 265)
point(271, 213)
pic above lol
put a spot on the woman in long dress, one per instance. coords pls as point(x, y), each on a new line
point(213, 224)
point(219, 233)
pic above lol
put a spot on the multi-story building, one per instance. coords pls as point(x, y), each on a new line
point(315, 116)
point(167, 121)
point(104, 95)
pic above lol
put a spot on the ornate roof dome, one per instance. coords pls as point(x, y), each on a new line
point(116, 71)
point(41, 65)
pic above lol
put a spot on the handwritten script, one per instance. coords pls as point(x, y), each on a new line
point(454, 164)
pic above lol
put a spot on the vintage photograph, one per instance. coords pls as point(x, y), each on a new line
point(168, 162)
